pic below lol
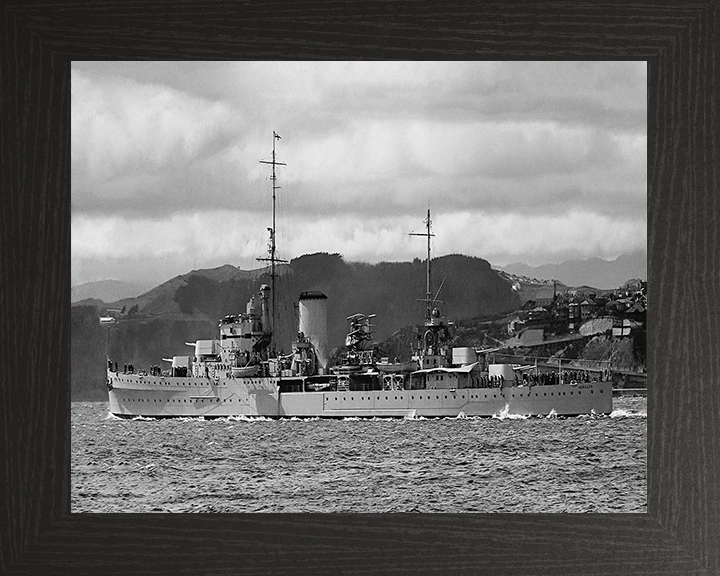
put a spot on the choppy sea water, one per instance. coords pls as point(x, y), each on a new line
point(501, 464)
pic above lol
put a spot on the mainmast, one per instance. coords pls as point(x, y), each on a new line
point(429, 300)
point(271, 245)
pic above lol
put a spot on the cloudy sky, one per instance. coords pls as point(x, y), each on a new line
point(518, 161)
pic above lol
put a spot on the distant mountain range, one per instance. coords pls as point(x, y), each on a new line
point(595, 272)
point(106, 290)
point(110, 291)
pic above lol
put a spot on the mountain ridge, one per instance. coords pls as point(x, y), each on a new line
point(109, 290)
point(626, 266)
point(597, 272)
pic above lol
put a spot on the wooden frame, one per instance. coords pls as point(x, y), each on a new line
point(679, 535)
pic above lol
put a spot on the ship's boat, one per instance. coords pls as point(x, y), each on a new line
point(346, 369)
point(395, 367)
point(239, 374)
point(244, 371)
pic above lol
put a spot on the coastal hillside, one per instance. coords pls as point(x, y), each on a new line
point(158, 323)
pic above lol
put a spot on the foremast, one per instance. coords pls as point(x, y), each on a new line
point(272, 248)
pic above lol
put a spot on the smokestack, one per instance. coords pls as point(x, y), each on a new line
point(313, 323)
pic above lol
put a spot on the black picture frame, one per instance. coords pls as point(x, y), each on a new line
point(680, 532)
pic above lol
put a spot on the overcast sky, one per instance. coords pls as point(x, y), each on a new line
point(519, 161)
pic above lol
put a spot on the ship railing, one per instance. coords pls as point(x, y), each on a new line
point(565, 363)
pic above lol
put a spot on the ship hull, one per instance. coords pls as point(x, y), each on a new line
point(154, 396)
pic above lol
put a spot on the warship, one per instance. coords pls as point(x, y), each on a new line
point(239, 373)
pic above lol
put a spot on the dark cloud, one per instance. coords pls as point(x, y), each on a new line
point(363, 142)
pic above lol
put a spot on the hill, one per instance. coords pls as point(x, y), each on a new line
point(187, 307)
point(602, 274)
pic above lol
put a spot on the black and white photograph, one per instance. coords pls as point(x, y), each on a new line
point(391, 286)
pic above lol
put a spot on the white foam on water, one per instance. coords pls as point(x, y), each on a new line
point(239, 418)
point(628, 414)
point(111, 416)
point(414, 417)
point(552, 414)
point(461, 416)
point(504, 414)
